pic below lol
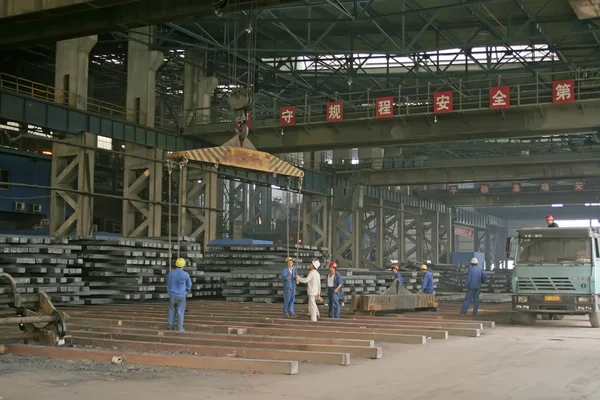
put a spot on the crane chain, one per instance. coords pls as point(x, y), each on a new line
point(287, 217)
point(182, 164)
point(298, 219)
point(170, 194)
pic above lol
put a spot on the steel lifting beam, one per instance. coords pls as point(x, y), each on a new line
point(238, 157)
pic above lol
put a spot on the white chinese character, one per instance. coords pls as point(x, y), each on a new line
point(453, 189)
point(563, 91)
point(516, 187)
point(484, 189)
point(335, 111)
point(443, 102)
point(499, 99)
point(287, 116)
point(545, 187)
point(578, 185)
point(385, 107)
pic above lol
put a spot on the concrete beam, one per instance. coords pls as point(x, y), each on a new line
point(24, 10)
point(516, 122)
point(490, 169)
point(41, 27)
point(475, 199)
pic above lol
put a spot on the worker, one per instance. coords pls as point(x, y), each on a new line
point(427, 284)
point(475, 277)
point(550, 222)
point(397, 277)
point(289, 287)
point(178, 284)
point(334, 285)
point(313, 289)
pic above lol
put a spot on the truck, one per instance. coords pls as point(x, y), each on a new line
point(555, 273)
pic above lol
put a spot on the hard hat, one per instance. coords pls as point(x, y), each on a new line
point(180, 263)
point(395, 267)
point(549, 217)
point(474, 261)
point(423, 267)
point(316, 263)
point(333, 264)
point(289, 259)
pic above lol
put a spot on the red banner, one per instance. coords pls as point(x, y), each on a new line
point(464, 231)
point(442, 102)
point(515, 187)
point(453, 189)
point(563, 91)
point(484, 188)
point(544, 187)
point(287, 116)
point(499, 97)
point(578, 186)
point(384, 107)
point(335, 111)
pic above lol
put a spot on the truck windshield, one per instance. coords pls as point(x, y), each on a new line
point(555, 251)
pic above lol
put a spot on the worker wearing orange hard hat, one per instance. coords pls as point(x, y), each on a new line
point(397, 276)
point(334, 285)
point(289, 287)
point(550, 222)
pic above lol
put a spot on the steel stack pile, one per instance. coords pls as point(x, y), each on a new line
point(39, 263)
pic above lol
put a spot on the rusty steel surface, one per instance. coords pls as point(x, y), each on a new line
point(256, 335)
point(238, 157)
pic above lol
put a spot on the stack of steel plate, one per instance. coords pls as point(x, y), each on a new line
point(43, 264)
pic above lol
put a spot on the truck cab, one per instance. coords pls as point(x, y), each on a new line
point(555, 273)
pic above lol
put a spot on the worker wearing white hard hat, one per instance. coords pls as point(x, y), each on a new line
point(313, 289)
point(475, 278)
point(178, 284)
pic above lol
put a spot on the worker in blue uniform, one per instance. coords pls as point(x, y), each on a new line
point(427, 284)
point(178, 284)
point(475, 278)
point(397, 277)
point(289, 287)
point(334, 285)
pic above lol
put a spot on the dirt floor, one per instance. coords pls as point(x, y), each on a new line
point(553, 360)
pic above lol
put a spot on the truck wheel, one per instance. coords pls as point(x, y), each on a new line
point(558, 317)
point(595, 320)
point(529, 318)
point(546, 317)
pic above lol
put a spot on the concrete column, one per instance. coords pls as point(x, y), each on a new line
point(314, 160)
point(72, 66)
point(142, 64)
point(371, 155)
point(197, 90)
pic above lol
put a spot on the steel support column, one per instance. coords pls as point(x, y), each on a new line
point(199, 189)
point(142, 179)
point(346, 238)
point(260, 200)
point(316, 221)
point(72, 168)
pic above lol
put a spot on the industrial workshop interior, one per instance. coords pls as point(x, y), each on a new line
point(299, 199)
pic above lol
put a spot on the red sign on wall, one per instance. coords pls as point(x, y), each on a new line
point(464, 231)
point(484, 188)
point(499, 97)
point(563, 91)
point(442, 102)
point(287, 116)
point(384, 107)
point(544, 187)
point(515, 187)
point(453, 189)
point(578, 186)
point(335, 111)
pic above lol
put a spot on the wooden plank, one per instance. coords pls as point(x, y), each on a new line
point(155, 360)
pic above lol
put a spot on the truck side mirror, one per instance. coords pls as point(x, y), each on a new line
point(509, 253)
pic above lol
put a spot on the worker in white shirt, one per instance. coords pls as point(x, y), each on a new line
point(313, 289)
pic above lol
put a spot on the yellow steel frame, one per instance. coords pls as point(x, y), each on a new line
point(238, 157)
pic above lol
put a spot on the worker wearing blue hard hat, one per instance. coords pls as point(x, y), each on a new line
point(289, 287)
point(178, 284)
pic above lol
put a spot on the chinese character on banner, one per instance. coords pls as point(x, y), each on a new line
point(578, 186)
point(287, 116)
point(464, 231)
point(335, 111)
point(499, 97)
point(453, 189)
point(563, 91)
point(515, 188)
point(442, 102)
point(484, 188)
point(544, 187)
point(384, 107)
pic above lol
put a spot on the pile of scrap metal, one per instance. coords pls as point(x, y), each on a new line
point(33, 314)
point(395, 298)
